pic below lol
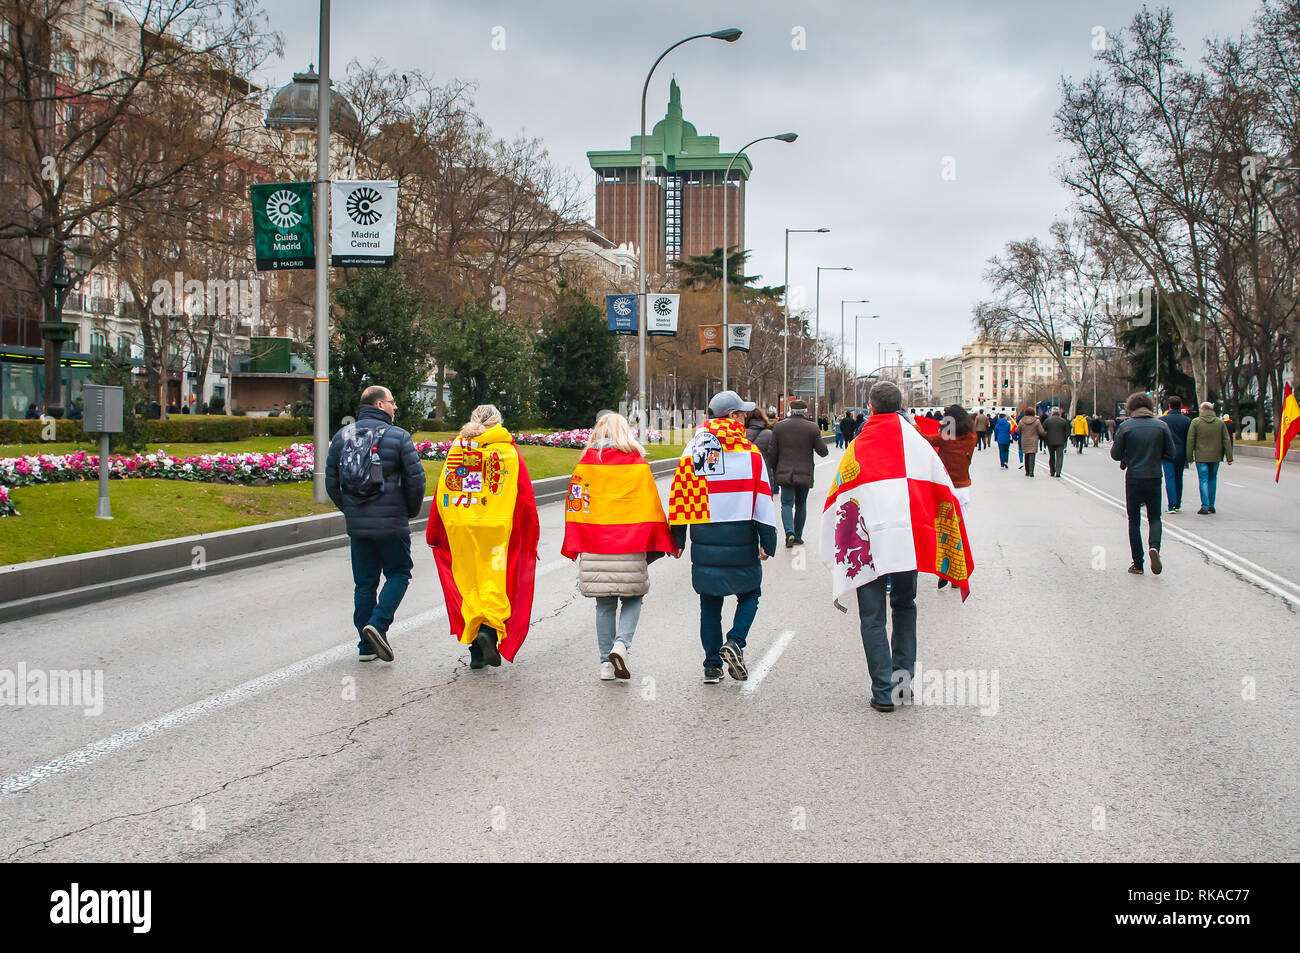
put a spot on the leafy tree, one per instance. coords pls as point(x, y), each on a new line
point(578, 362)
point(379, 337)
point(493, 360)
point(703, 271)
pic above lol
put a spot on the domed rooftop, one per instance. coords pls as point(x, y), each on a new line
point(295, 105)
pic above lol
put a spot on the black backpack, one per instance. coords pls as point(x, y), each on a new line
point(360, 472)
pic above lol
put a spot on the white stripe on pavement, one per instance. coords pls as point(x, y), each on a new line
point(1280, 586)
point(765, 666)
point(1239, 486)
point(174, 719)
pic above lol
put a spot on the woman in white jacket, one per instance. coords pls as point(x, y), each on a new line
point(615, 527)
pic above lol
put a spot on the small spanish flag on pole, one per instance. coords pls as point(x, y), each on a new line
point(1287, 428)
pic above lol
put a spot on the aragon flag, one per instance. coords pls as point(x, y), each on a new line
point(613, 507)
point(1287, 428)
point(892, 508)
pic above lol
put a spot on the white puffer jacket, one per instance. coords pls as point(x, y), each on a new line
point(623, 574)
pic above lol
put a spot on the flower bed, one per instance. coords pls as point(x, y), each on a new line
point(564, 439)
point(7, 507)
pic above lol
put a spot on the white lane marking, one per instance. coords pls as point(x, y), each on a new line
point(765, 666)
point(174, 719)
point(1285, 589)
point(1239, 486)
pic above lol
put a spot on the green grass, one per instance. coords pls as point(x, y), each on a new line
point(58, 519)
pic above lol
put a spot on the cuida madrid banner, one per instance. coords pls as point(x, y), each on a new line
point(363, 223)
point(283, 225)
point(620, 312)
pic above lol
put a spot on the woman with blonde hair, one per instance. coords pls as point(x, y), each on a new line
point(614, 526)
point(483, 530)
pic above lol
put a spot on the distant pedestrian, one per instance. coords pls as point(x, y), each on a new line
point(1002, 437)
point(1110, 428)
point(32, 413)
point(1209, 443)
point(722, 496)
point(1179, 424)
point(794, 442)
point(982, 424)
point(1080, 427)
point(839, 431)
point(614, 526)
point(758, 431)
point(1095, 427)
point(1057, 431)
point(483, 530)
point(373, 474)
point(1030, 432)
point(1142, 444)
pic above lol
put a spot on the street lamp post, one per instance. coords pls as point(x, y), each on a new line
point(726, 177)
point(856, 380)
point(55, 332)
point(817, 330)
point(785, 333)
point(843, 302)
point(729, 36)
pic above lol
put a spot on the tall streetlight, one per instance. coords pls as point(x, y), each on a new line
point(843, 362)
point(729, 36)
point(817, 332)
point(726, 176)
point(55, 332)
point(856, 325)
point(785, 333)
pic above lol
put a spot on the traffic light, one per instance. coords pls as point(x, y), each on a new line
point(1006, 382)
point(1067, 348)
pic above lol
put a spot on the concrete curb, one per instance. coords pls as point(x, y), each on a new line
point(28, 589)
point(1268, 453)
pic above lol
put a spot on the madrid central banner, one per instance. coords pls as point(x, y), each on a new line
point(283, 225)
point(363, 223)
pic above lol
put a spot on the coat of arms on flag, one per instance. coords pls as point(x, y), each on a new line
point(893, 508)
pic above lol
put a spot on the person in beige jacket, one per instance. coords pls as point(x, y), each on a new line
point(1030, 432)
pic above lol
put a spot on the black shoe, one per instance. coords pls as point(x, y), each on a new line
point(1156, 564)
point(789, 540)
point(1213, 510)
point(798, 541)
point(366, 654)
point(734, 656)
point(712, 675)
point(886, 707)
point(476, 655)
point(379, 641)
point(487, 642)
point(1203, 511)
point(1135, 569)
point(942, 583)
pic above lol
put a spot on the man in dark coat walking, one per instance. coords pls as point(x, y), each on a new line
point(794, 441)
point(1178, 423)
point(1142, 444)
point(1057, 429)
point(379, 526)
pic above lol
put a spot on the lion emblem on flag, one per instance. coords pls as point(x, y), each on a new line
point(852, 541)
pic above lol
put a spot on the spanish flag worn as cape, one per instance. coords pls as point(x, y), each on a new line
point(483, 530)
point(1287, 428)
point(720, 478)
point(892, 508)
point(613, 507)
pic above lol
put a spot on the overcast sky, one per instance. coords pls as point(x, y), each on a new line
point(881, 95)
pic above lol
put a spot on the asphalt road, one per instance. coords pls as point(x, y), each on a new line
point(1150, 718)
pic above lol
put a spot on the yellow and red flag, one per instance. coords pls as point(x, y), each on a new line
point(1287, 428)
point(613, 507)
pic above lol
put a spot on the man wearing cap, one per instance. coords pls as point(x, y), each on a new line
point(722, 492)
point(794, 441)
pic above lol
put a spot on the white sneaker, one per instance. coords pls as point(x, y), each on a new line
point(606, 671)
point(618, 658)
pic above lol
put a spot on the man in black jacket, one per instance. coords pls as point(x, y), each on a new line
point(1142, 444)
point(1057, 429)
point(794, 441)
point(1178, 423)
point(379, 526)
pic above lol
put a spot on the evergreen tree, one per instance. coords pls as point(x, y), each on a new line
point(493, 360)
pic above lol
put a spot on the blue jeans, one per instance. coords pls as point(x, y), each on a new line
point(1004, 450)
point(839, 439)
point(711, 624)
point(611, 625)
point(1020, 450)
point(392, 556)
point(1174, 483)
point(882, 660)
point(794, 509)
point(1208, 474)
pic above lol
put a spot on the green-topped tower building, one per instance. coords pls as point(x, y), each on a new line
point(683, 199)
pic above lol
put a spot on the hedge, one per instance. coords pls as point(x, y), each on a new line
point(29, 431)
point(180, 429)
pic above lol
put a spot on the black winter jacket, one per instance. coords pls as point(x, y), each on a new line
point(1142, 444)
point(724, 556)
point(389, 513)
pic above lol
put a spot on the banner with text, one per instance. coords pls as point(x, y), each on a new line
point(363, 224)
point(620, 310)
point(661, 315)
point(710, 339)
point(283, 225)
point(740, 337)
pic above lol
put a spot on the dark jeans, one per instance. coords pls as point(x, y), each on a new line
point(1055, 459)
point(1003, 450)
point(1174, 483)
point(711, 624)
point(1138, 493)
point(982, 440)
point(882, 659)
point(794, 509)
point(392, 556)
point(1029, 463)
